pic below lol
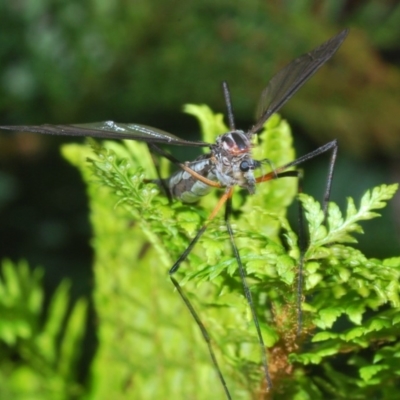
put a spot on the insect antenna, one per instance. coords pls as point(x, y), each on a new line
point(228, 103)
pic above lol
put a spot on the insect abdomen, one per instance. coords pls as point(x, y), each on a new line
point(188, 189)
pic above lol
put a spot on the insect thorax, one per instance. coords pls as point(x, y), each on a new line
point(230, 163)
point(232, 160)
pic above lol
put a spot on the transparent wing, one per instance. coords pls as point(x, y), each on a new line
point(109, 130)
point(292, 77)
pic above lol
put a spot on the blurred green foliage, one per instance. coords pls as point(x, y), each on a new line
point(71, 61)
point(40, 346)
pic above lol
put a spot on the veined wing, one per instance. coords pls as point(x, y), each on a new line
point(109, 130)
point(292, 77)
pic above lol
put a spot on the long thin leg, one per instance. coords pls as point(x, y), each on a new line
point(162, 181)
point(302, 247)
point(302, 244)
point(227, 195)
point(333, 145)
point(204, 334)
point(281, 173)
point(329, 178)
point(247, 293)
point(184, 255)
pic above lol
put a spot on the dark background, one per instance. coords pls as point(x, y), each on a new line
point(140, 61)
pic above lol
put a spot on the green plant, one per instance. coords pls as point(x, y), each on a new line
point(149, 346)
point(40, 347)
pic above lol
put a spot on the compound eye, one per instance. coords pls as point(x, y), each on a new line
point(244, 166)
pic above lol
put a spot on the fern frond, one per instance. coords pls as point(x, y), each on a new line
point(146, 334)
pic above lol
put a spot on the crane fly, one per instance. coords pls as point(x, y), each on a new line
point(228, 164)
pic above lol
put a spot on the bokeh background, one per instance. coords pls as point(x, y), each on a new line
point(140, 61)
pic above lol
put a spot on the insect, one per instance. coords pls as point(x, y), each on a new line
point(228, 164)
